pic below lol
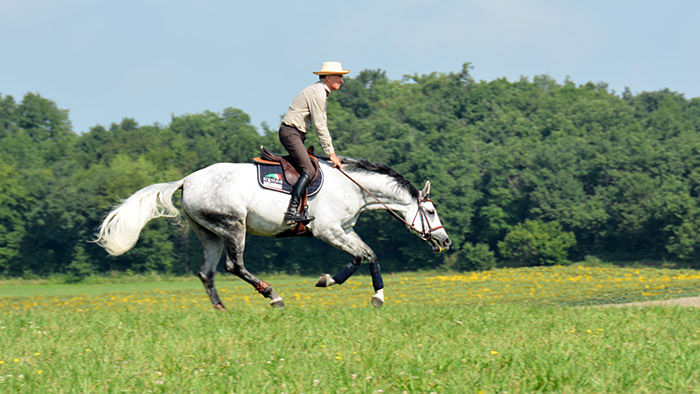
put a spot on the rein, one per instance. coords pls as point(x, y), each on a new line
point(425, 235)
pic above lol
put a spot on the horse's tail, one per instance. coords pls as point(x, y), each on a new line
point(121, 228)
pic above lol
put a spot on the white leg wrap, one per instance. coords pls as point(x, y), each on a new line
point(325, 281)
point(378, 298)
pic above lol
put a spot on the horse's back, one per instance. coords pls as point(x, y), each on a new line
point(231, 191)
point(207, 182)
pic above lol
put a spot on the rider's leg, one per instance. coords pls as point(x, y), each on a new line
point(293, 215)
point(293, 140)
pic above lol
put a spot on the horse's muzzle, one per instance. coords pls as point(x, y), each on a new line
point(440, 244)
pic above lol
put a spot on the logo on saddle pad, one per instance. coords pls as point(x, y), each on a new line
point(272, 181)
point(270, 177)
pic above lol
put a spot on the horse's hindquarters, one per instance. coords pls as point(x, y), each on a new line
point(229, 192)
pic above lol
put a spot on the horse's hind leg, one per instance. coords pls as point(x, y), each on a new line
point(235, 245)
point(212, 247)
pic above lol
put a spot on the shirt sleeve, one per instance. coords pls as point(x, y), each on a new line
point(317, 107)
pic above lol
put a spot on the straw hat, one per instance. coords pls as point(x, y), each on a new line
point(331, 68)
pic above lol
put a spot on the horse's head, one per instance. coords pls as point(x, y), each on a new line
point(423, 220)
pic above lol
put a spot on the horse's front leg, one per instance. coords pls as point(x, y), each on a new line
point(351, 243)
point(377, 283)
point(344, 274)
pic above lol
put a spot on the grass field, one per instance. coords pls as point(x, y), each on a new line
point(509, 330)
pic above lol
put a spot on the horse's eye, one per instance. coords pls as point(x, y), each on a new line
point(431, 211)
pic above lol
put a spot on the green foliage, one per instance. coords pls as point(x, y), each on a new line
point(79, 267)
point(13, 197)
point(535, 243)
point(472, 257)
point(619, 172)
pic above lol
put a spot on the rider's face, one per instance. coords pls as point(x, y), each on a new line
point(334, 82)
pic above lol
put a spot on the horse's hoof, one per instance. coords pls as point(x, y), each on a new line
point(220, 307)
point(378, 298)
point(325, 280)
point(278, 303)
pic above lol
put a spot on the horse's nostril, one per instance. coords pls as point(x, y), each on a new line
point(448, 242)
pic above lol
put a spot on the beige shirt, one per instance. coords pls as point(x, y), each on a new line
point(310, 106)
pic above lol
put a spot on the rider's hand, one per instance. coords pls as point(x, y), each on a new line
point(335, 160)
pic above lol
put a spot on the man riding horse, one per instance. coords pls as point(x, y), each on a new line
point(309, 107)
point(224, 202)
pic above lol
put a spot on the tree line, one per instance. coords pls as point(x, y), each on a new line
point(530, 172)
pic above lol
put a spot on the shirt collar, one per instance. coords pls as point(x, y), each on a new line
point(328, 90)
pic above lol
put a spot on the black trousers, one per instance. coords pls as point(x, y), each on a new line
point(293, 140)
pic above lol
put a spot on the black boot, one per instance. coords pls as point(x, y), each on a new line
point(293, 215)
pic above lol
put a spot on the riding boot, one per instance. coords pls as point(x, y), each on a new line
point(293, 215)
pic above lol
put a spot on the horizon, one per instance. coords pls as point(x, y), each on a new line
point(148, 62)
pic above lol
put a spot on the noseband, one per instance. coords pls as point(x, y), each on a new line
point(425, 235)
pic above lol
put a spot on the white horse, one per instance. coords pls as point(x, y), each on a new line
point(224, 201)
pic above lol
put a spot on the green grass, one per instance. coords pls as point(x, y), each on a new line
point(430, 337)
point(17, 290)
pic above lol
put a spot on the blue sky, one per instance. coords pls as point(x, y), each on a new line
point(154, 59)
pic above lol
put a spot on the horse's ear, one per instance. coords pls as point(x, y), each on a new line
point(426, 189)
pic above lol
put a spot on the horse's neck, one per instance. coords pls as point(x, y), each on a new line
point(385, 189)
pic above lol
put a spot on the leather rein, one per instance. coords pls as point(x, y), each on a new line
point(425, 235)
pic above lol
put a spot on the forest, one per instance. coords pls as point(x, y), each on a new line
point(524, 173)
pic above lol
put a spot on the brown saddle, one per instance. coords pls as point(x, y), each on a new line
point(290, 172)
point(292, 176)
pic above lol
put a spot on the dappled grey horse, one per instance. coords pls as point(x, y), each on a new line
point(224, 201)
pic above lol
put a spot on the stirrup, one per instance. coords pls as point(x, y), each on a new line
point(292, 218)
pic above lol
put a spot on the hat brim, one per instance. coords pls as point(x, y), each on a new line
point(341, 72)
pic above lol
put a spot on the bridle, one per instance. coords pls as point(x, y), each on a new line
point(420, 213)
point(425, 235)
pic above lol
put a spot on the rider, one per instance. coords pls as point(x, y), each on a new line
point(309, 107)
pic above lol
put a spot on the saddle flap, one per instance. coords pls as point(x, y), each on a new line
point(290, 173)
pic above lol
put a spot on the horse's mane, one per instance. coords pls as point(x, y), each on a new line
point(378, 168)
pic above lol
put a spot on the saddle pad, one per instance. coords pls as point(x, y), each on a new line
point(270, 177)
